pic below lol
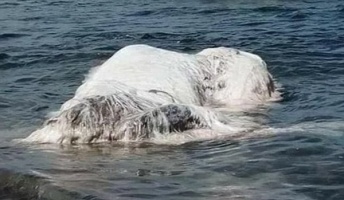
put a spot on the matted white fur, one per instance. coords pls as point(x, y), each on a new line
point(143, 93)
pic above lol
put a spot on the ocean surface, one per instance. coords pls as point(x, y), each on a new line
point(48, 46)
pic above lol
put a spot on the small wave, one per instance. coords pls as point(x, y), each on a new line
point(188, 49)
point(299, 15)
point(214, 11)
point(48, 95)
point(25, 79)
point(105, 35)
point(57, 3)
point(170, 11)
point(106, 48)
point(5, 36)
point(29, 186)
point(4, 104)
point(187, 40)
point(4, 56)
point(147, 36)
point(160, 35)
point(267, 9)
point(39, 108)
point(9, 4)
point(9, 65)
point(340, 8)
point(219, 39)
point(19, 185)
point(32, 18)
point(254, 23)
point(141, 13)
point(295, 15)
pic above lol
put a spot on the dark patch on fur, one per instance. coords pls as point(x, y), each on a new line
point(200, 90)
point(221, 85)
point(271, 86)
point(179, 117)
point(164, 119)
point(100, 114)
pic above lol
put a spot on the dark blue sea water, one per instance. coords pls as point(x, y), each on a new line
point(47, 46)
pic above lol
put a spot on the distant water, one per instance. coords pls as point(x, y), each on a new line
point(47, 46)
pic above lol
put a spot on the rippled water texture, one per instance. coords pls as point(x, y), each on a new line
point(47, 46)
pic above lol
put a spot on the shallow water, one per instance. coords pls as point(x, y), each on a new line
point(46, 48)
